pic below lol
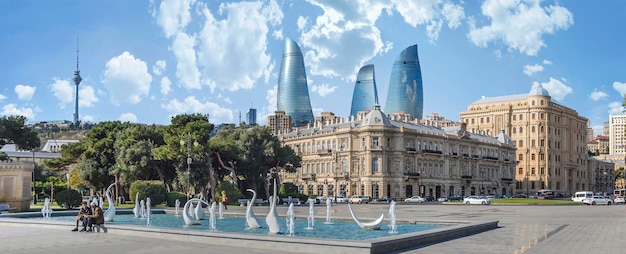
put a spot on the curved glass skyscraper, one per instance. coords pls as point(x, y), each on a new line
point(293, 92)
point(365, 94)
point(405, 93)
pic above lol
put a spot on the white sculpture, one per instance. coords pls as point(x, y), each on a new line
point(109, 214)
point(189, 219)
point(272, 219)
point(251, 220)
point(136, 209)
point(373, 225)
point(199, 212)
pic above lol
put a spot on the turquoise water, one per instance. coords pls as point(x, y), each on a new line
point(335, 230)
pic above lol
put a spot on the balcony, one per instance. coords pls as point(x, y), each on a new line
point(490, 158)
point(428, 151)
point(410, 149)
point(468, 177)
point(507, 179)
point(474, 156)
point(324, 151)
point(412, 174)
point(310, 176)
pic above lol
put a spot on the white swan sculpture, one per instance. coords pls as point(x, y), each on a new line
point(373, 225)
point(251, 220)
point(46, 211)
point(136, 208)
point(198, 211)
point(189, 220)
point(109, 214)
point(272, 219)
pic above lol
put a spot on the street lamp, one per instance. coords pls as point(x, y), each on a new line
point(482, 181)
point(182, 143)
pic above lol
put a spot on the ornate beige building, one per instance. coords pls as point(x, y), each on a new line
point(375, 156)
point(551, 139)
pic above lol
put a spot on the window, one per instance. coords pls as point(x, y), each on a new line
point(521, 129)
point(521, 157)
point(514, 130)
point(521, 143)
point(374, 164)
point(375, 142)
point(532, 157)
point(532, 129)
point(521, 117)
point(514, 117)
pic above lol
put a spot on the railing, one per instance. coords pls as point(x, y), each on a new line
point(490, 158)
point(507, 179)
point(466, 177)
point(411, 174)
point(432, 151)
point(410, 149)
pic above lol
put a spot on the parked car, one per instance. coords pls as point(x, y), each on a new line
point(415, 199)
point(442, 199)
point(384, 199)
point(476, 200)
point(455, 198)
point(619, 200)
point(341, 199)
point(597, 200)
point(358, 199)
point(430, 198)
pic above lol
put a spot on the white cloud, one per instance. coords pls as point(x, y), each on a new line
point(2, 97)
point(86, 96)
point(270, 98)
point(323, 89)
point(88, 118)
point(25, 92)
point(128, 117)
point(302, 23)
point(520, 25)
point(620, 88)
point(63, 91)
point(126, 79)
point(616, 108)
point(530, 70)
point(192, 105)
point(159, 67)
point(547, 62)
point(13, 110)
point(598, 95)
point(186, 69)
point(557, 89)
point(233, 51)
point(430, 13)
point(173, 16)
point(165, 85)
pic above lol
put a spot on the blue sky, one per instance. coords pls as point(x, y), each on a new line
point(145, 61)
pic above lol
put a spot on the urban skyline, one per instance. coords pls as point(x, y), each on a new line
point(145, 61)
point(293, 91)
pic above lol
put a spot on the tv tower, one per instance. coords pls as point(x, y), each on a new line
point(77, 79)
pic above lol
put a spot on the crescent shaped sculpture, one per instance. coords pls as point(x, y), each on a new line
point(189, 220)
point(109, 214)
point(373, 225)
point(272, 219)
point(250, 218)
point(198, 211)
point(136, 208)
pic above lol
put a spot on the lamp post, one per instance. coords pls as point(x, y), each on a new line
point(34, 190)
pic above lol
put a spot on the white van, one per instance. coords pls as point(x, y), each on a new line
point(580, 195)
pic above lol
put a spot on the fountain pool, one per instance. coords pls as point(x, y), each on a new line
point(346, 230)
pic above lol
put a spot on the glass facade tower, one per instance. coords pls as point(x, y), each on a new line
point(365, 94)
point(293, 92)
point(251, 116)
point(405, 93)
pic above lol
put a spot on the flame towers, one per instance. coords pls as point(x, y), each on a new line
point(365, 94)
point(405, 94)
point(293, 92)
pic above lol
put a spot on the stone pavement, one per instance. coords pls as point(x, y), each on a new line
point(522, 229)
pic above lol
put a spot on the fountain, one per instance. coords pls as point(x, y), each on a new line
point(393, 228)
point(46, 211)
point(328, 205)
point(291, 220)
point(109, 214)
point(142, 209)
point(199, 212)
point(148, 211)
point(189, 217)
point(251, 220)
point(272, 219)
point(136, 211)
point(221, 210)
point(212, 226)
point(373, 225)
point(177, 206)
point(311, 218)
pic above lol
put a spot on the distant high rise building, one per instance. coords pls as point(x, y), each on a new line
point(365, 94)
point(251, 116)
point(77, 79)
point(293, 92)
point(279, 123)
point(617, 128)
point(405, 93)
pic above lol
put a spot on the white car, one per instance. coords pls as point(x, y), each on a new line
point(597, 200)
point(341, 199)
point(358, 199)
point(415, 199)
point(619, 200)
point(476, 200)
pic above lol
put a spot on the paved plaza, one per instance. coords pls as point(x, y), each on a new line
point(522, 229)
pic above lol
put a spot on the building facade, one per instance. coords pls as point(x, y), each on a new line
point(617, 133)
point(251, 116)
point(405, 94)
point(551, 139)
point(376, 157)
point(279, 122)
point(365, 92)
point(293, 92)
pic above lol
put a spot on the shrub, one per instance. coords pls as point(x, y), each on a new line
point(173, 196)
point(68, 198)
point(154, 189)
point(232, 192)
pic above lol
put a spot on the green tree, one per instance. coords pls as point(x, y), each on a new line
point(13, 130)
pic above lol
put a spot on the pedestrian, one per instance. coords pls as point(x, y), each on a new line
point(224, 200)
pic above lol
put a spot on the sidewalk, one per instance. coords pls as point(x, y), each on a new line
point(522, 229)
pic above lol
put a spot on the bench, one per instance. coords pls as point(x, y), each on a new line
point(244, 201)
point(5, 208)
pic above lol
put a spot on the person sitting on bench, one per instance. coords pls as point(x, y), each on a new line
point(96, 219)
point(84, 210)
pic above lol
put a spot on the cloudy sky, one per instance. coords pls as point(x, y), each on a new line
point(145, 61)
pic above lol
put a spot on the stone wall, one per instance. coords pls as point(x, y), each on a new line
point(15, 184)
